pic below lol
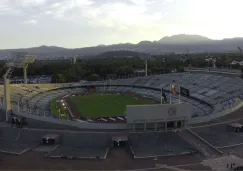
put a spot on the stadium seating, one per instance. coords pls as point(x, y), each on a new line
point(82, 145)
point(209, 92)
point(79, 152)
point(17, 141)
point(218, 135)
point(154, 144)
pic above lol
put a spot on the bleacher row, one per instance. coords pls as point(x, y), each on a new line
point(219, 91)
point(17, 141)
point(218, 135)
point(41, 101)
point(92, 145)
point(158, 144)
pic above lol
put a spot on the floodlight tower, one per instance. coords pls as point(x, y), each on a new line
point(182, 58)
point(189, 58)
point(211, 60)
point(186, 58)
point(239, 48)
point(214, 63)
point(74, 59)
point(29, 59)
point(146, 58)
point(208, 60)
point(241, 52)
point(18, 60)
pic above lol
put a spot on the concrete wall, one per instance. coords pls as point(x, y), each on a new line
point(158, 113)
point(2, 115)
point(50, 123)
point(65, 123)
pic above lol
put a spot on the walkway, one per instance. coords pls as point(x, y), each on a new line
point(199, 144)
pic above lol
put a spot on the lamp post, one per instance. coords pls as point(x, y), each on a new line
point(18, 60)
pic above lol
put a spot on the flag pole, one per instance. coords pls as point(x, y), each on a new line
point(104, 85)
point(161, 95)
point(179, 94)
point(170, 93)
point(110, 85)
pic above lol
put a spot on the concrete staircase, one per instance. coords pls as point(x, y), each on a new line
point(200, 144)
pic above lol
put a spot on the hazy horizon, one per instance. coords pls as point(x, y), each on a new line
point(84, 23)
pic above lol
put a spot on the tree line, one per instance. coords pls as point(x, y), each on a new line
point(106, 68)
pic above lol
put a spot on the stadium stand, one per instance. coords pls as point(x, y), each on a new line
point(209, 92)
point(218, 135)
point(82, 145)
point(154, 144)
point(18, 141)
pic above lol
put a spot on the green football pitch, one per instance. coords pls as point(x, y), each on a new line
point(105, 105)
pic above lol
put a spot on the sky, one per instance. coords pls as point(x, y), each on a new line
point(83, 23)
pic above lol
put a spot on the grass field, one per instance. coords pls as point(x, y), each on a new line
point(105, 105)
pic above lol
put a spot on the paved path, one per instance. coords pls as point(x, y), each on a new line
point(202, 146)
point(219, 164)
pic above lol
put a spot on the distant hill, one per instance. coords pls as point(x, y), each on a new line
point(175, 43)
point(42, 48)
point(183, 38)
point(119, 54)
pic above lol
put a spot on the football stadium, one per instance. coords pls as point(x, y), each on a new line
point(172, 121)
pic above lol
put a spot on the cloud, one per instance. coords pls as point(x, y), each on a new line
point(32, 2)
point(22, 3)
point(98, 13)
point(108, 13)
point(123, 20)
point(31, 21)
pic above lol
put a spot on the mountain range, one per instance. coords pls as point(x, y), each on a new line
point(180, 43)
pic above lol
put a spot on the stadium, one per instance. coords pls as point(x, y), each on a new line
point(176, 121)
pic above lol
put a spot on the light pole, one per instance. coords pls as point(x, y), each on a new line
point(146, 58)
point(186, 57)
point(214, 63)
point(189, 58)
point(27, 60)
point(211, 61)
point(241, 52)
point(18, 60)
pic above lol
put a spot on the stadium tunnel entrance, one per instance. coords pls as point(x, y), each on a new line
point(235, 127)
point(119, 141)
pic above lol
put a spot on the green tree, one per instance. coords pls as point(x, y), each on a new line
point(58, 78)
point(93, 77)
